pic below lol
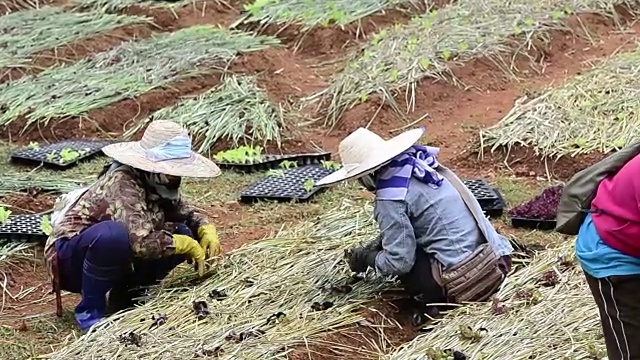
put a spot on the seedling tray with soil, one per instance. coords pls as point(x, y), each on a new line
point(247, 160)
point(296, 183)
point(62, 154)
point(538, 213)
point(23, 228)
point(489, 198)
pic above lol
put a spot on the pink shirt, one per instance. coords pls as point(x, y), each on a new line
point(618, 197)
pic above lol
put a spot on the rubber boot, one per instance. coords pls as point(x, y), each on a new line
point(96, 282)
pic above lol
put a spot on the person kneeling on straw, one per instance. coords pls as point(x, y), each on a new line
point(131, 227)
point(433, 234)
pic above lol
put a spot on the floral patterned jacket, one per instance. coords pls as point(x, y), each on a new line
point(120, 196)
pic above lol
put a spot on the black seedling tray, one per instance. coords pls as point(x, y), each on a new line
point(24, 228)
point(495, 208)
point(50, 154)
point(536, 224)
point(489, 198)
point(286, 188)
point(270, 162)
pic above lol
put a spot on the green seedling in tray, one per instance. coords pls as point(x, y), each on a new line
point(4, 215)
point(45, 225)
point(68, 155)
point(276, 172)
point(286, 164)
point(308, 185)
point(330, 165)
point(241, 155)
point(33, 146)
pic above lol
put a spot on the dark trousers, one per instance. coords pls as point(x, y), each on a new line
point(618, 300)
point(99, 259)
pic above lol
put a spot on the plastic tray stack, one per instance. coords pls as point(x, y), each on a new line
point(489, 198)
point(288, 186)
point(270, 162)
point(41, 154)
point(23, 228)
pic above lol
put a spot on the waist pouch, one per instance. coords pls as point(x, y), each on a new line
point(476, 278)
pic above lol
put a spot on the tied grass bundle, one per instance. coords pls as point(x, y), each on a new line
point(131, 69)
point(283, 274)
point(401, 56)
point(310, 13)
point(596, 111)
point(530, 320)
point(24, 33)
point(13, 183)
point(231, 111)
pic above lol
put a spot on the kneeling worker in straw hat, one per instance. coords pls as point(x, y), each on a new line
point(433, 233)
point(131, 227)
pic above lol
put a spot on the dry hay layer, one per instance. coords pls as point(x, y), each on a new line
point(131, 69)
point(543, 311)
point(597, 111)
point(228, 112)
point(24, 33)
point(400, 56)
point(286, 275)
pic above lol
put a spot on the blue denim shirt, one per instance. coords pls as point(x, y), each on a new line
point(438, 220)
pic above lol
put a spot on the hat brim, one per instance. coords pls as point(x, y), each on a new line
point(394, 147)
point(132, 154)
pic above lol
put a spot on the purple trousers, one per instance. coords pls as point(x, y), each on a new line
point(98, 260)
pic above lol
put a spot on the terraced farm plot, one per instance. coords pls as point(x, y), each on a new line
point(24, 33)
point(594, 112)
point(129, 70)
point(279, 291)
point(401, 56)
point(229, 112)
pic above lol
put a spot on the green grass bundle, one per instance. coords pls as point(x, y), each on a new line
point(231, 111)
point(310, 13)
point(24, 33)
point(131, 69)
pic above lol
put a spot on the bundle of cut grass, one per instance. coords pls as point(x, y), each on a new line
point(116, 5)
point(309, 13)
point(24, 33)
point(14, 183)
point(129, 70)
point(544, 311)
point(596, 111)
point(399, 57)
point(233, 110)
point(13, 251)
point(259, 300)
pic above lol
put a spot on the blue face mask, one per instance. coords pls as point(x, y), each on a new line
point(177, 148)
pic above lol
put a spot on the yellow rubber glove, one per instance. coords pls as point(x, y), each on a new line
point(209, 240)
point(186, 245)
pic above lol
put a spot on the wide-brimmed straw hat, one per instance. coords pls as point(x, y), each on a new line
point(363, 152)
point(165, 148)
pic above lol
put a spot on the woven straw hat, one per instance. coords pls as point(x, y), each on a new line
point(363, 152)
point(147, 154)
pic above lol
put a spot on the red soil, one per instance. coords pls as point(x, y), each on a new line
point(28, 203)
